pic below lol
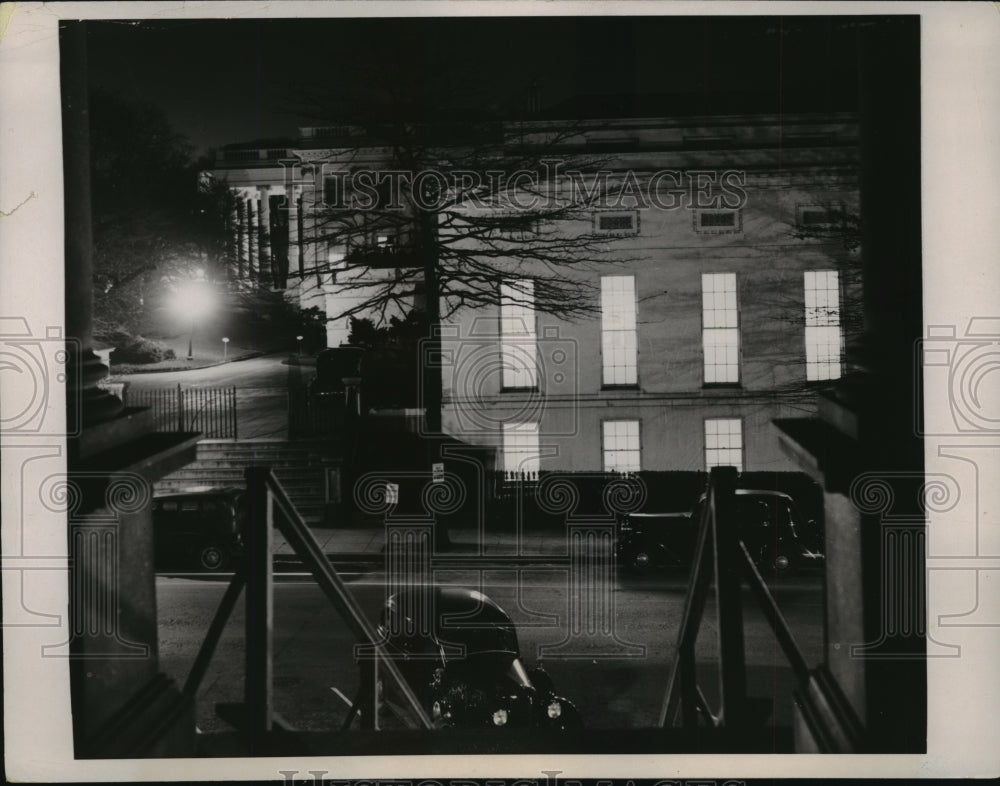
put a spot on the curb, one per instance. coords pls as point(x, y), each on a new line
point(455, 559)
point(141, 370)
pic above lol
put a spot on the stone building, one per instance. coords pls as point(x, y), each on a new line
point(726, 288)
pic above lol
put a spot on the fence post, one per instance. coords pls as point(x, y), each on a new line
point(233, 410)
point(180, 408)
point(259, 605)
point(733, 678)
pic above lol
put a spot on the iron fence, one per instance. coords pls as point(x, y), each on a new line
point(211, 411)
point(329, 416)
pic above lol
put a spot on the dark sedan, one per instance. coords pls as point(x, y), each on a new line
point(770, 525)
point(199, 528)
point(459, 652)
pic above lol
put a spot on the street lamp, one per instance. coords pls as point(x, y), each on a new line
point(193, 301)
point(225, 348)
point(299, 339)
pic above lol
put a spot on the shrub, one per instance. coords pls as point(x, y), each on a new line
point(141, 350)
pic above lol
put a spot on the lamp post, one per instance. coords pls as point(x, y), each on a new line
point(299, 339)
point(193, 301)
point(225, 348)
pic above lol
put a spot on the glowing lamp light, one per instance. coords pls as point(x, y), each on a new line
point(193, 301)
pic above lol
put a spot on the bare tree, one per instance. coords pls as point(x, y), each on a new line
point(433, 198)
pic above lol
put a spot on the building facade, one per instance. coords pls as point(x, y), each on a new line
point(725, 287)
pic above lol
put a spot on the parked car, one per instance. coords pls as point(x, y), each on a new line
point(777, 536)
point(199, 529)
point(458, 650)
point(333, 367)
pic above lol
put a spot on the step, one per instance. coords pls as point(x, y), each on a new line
point(303, 457)
point(292, 480)
point(238, 471)
point(240, 463)
point(313, 501)
point(226, 453)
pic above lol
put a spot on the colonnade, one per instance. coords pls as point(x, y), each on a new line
point(254, 241)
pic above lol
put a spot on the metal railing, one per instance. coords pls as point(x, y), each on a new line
point(721, 554)
point(268, 506)
point(504, 484)
point(319, 417)
point(212, 411)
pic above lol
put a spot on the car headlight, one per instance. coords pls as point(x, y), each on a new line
point(500, 718)
point(554, 710)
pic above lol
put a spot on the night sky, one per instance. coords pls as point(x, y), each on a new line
point(227, 81)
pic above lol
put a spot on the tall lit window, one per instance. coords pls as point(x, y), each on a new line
point(518, 343)
point(720, 328)
point(724, 443)
point(520, 447)
point(618, 339)
point(824, 339)
point(336, 254)
point(621, 445)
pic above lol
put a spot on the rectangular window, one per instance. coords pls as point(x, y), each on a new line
point(616, 223)
point(724, 443)
point(824, 339)
point(332, 195)
point(621, 446)
point(518, 342)
point(336, 254)
point(618, 335)
point(512, 225)
point(520, 447)
point(720, 328)
point(818, 216)
point(718, 221)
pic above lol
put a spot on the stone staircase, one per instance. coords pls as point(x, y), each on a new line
point(298, 466)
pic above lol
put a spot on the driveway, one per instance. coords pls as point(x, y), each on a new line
point(261, 390)
point(260, 372)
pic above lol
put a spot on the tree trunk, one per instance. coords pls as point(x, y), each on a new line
point(430, 380)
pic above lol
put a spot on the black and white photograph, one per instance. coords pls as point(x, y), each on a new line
point(539, 390)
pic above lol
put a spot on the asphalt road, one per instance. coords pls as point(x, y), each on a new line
point(615, 683)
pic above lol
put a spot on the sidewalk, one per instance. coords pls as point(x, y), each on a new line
point(361, 542)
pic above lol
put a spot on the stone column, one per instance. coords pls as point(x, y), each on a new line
point(864, 446)
point(233, 239)
point(123, 706)
point(264, 232)
point(241, 237)
point(292, 200)
point(252, 242)
point(86, 402)
point(301, 231)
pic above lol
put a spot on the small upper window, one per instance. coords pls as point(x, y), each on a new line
point(624, 223)
point(718, 221)
point(818, 216)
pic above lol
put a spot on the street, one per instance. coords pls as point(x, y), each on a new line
point(617, 681)
point(615, 684)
